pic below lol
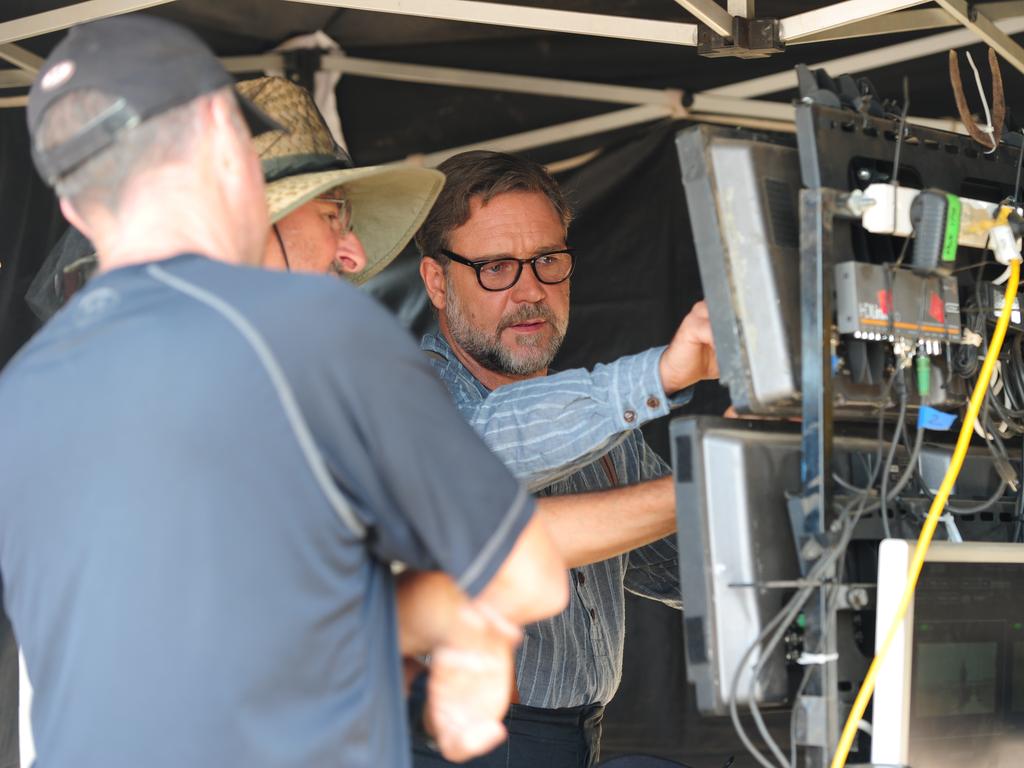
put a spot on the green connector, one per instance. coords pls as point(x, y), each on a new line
point(924, 375)
point(951, 236)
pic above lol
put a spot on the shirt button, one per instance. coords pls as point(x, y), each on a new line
point(593, 614)
point(629, 416)
point(653, 402)
point(580, 578)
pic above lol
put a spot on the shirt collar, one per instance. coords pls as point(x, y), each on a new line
point(450, 368)
point(435, 342)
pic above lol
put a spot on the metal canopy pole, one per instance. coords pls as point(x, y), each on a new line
point(742, 8)
point(727, 105)
point(816, 711)
point(702, 107)
point(893, 54)
point(19, 57)
point(545, 19)
point(919, 20)
point(839, 14)
point(62, 18)
point(15, 78)
point(531, 84)
point(983, 27)
point(465, 78)
point(710, 13)
point(553, 134)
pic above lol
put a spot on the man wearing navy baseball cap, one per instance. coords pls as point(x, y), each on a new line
point(209, 469)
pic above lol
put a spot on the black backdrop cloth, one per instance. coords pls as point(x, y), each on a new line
point(636, 277)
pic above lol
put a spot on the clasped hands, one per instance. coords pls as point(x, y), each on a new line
point(470, 683)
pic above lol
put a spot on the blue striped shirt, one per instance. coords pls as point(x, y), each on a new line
point(572, 432)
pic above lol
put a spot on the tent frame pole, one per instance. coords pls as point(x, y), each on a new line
point(19, 57)
point(858, 62)
point(69, 16)
point(710, 13)
point(982, 26)
point(838, 15)
point(544, 19)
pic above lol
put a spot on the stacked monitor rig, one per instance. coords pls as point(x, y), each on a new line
point(825, 309)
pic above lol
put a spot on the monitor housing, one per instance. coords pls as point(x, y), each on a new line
point(950, 692)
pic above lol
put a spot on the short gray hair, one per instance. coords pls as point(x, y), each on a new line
point(102, 179)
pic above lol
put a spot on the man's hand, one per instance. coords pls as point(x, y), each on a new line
point(470, 683)
point(690, 356)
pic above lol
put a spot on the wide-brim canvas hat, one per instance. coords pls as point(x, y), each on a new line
point(389, 202)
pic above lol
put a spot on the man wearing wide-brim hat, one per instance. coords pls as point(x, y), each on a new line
point(326, 215)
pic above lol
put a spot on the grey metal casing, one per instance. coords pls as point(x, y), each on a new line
point(731, 532)
point(742, 195)
point(908, 316)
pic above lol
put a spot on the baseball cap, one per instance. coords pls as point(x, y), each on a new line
point(148, 65)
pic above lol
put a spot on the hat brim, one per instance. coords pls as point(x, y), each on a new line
point(389, 203)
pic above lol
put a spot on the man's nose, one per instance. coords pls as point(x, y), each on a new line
point(528, 289)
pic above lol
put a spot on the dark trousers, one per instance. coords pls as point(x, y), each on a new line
point(538, 738)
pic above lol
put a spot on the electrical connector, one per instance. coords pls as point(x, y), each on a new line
point(923, 365)
point(1004, 244)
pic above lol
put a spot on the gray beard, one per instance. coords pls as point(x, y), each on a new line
point(528, 357)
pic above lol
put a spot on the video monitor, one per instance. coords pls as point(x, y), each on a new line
point(737, 550)
point(951, 690)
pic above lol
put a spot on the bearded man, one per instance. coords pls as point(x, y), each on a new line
point(496, 266)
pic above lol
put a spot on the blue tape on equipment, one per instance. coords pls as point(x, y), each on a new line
point(935, 420)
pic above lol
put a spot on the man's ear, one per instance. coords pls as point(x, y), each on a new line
point(229, 142)
point(433, 278)
point(226, 128)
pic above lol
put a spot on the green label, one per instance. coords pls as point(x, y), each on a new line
point(952, 237)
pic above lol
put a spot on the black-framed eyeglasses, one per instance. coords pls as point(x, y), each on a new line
point(549, 268)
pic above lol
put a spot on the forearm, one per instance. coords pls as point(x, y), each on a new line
point(590, 527)
point(428, 602)
point(530, 585)
point(548, 427)
point(470, 674)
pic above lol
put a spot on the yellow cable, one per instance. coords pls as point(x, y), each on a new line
point(930, 523)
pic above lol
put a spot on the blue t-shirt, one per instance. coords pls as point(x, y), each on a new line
point(206, 471)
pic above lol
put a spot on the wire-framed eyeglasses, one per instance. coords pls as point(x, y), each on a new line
point(549, 268)
point(341, 222)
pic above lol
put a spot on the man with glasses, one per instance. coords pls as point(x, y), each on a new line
point(496, 267)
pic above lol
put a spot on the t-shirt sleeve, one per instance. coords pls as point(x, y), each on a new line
point(430, 492)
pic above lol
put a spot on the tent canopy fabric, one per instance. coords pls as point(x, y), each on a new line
point(377, 112)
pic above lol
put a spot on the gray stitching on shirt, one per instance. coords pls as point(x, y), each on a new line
point(279, 381)
point(473, 571)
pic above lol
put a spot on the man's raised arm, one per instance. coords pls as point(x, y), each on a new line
point(547, 428)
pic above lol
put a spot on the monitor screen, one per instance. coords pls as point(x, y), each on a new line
point(951, 692)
